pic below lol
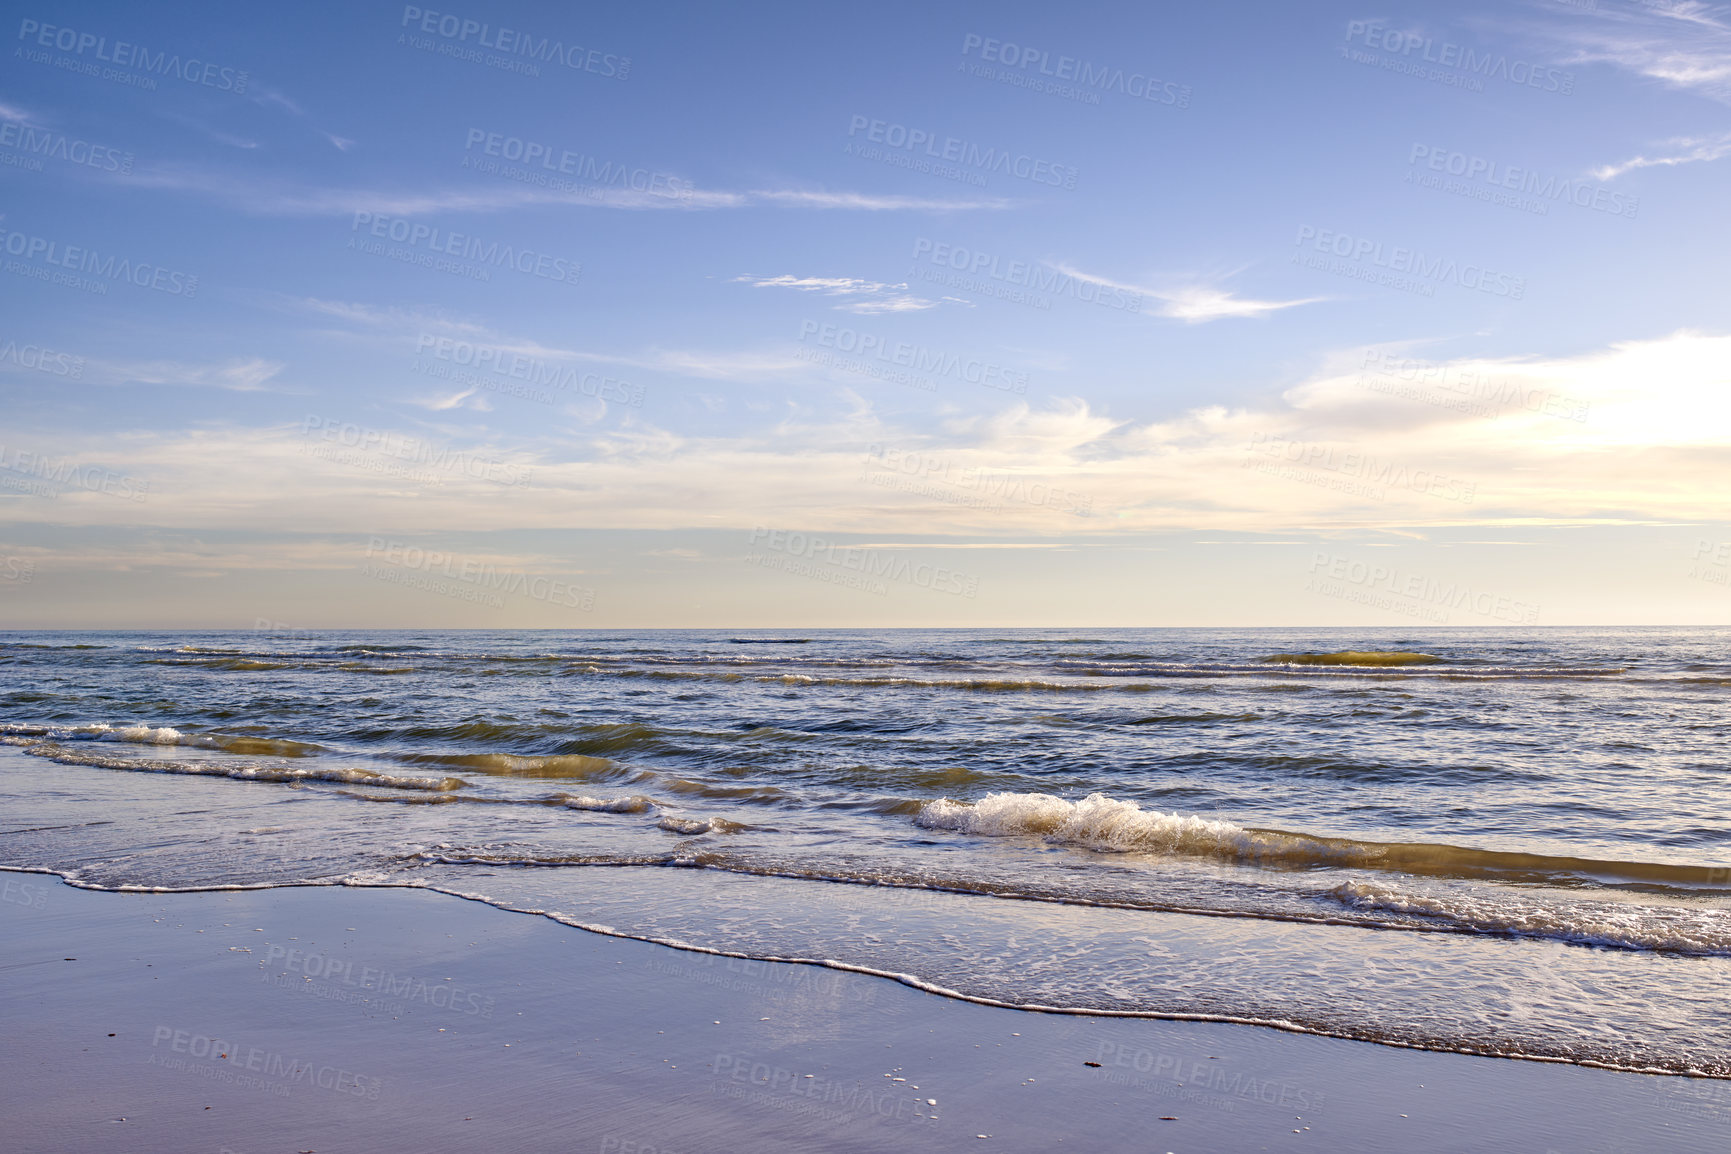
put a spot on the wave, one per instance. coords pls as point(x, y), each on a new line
point(590, 740)
point(1683, 931)
point(568, 765)
point(272, 773)
point(1336, 666)
point(164, 735)
point(692, 826)
point(1354, 657)
point(1102, 823)
point(1195, 718)
point(1530, 1049)
point(636, 803)
point(229, 664)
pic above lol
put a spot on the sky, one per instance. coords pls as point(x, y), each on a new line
point(349, 315)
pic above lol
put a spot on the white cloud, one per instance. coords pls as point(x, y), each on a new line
point(1342, 450)
point(1193, 304)
point(1685, 45)
point(874, 296)
point(866, 202)
point(269, 196)
point(1678, 150)
point(241, 374)
point(399, 326)
point(215, 134)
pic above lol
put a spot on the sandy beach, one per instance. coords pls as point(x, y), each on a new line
point(345, 1019)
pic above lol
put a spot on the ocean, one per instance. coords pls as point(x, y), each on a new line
point(1510, 842)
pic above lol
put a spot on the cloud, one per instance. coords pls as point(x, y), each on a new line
point(407, 325)
point(398, 327)
point(263, 95)
point(240, 375)
point(1193, 304)
point(270, 96)
point(13, 112)
point(1634, 432)
point(271, 196)
point(1685, 45)
point(868, 203)
point(874, 296)
point(216, 134)
point(1525, 463)
point(395, 319)
point(1680, 150)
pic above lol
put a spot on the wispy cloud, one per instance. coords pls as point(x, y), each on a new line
point(1678, 150)
point(240, 375)
point(1195, 303)
point(1659, 423)
point(263, 95)
point(465, 398)
point(405, 327)
point(215, 134)
point(1685, 45)
point(862, 296)
point(395, 318)
point(865, 202)
point(268, 196)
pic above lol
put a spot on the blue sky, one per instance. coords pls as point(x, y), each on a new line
point(1262, 314)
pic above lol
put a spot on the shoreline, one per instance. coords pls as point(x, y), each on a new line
point(911, 981)
point(398, 1018)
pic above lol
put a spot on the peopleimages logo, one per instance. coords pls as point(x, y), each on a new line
point(1097, 78)
point(254, 1059)
point(52, 471)
point(514, 42)
point(1373, 471)
point(964, 152)
point(40, 142)
point(1415, 590)
point(191, 69)
point(52, 254)
point(431, 241)
point(916, 357)
point(42, 360)
point(984, 272)
point(475, 571)
point(502, 361)
point(942, 478)
point(1407, 261)
point(1480, 65)
point(565, 162)
point(364, 441)
point(340, 976)
point(1474, 391)
point(1497, 176)
point(867, 562)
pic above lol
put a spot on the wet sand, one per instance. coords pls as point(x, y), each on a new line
point(336, 1019)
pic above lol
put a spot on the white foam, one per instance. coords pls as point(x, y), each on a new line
point(103, 731)
point(243, 772)
point(1692, 931)
point(634, 804)
point(690, 826)
point(1097, 822)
